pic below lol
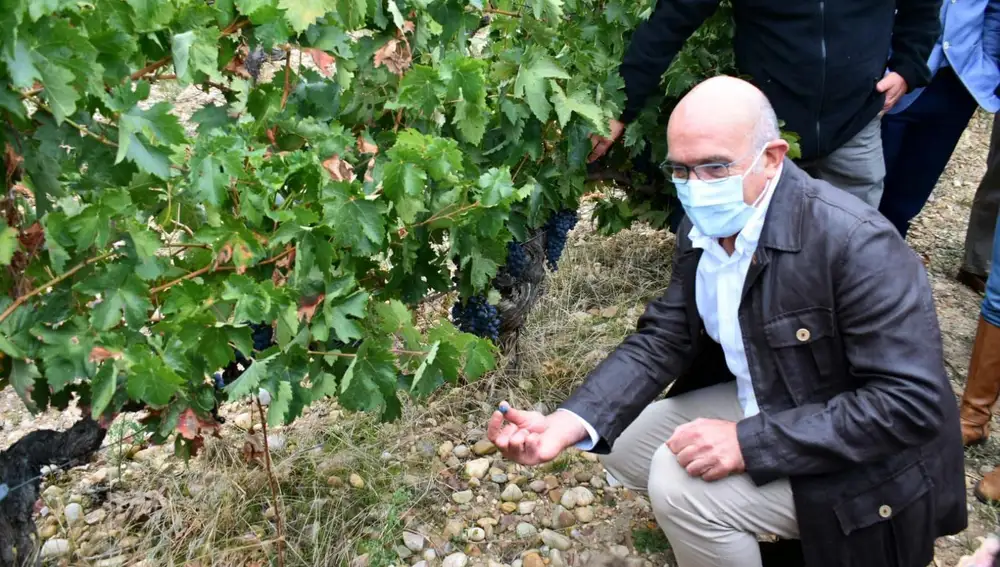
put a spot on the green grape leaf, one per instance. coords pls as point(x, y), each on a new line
point(578, 102)
point(495, 187)
point(102, 389)
point(59, 91)
point(360, 226)
point(21, 65)
point(301, 14)
point(342, 315)
point(532, 82)
point(23, 374)
point(8, 243)
point(421, 89)
point(404, 183)
point(281, 401)
point(153, 382)
point(479, 359)
point(196, 51)
point(370, 381)
point(251, 378)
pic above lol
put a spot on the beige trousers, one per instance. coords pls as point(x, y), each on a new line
point(709, 524)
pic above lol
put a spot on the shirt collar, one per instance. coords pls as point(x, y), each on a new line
point(748, 237)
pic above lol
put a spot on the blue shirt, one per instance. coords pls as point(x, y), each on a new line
point(969, 44)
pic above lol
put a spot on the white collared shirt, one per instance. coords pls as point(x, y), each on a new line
point(718, 290)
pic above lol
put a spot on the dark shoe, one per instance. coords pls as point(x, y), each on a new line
point(972, 281)
point(982, 388)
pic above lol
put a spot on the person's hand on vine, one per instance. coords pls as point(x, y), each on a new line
point(600, 144)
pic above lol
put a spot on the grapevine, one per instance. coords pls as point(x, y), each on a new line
point(517, 259)
point(556, 229)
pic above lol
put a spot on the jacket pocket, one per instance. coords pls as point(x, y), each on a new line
point(802, 342)
point(892, 523)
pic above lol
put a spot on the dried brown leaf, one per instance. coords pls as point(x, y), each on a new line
point(366, 147)
point(395, 56)
point(326, 64)
point(308, 306)
point(339, 169)
point(100, 354)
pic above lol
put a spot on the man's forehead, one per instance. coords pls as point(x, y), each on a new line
point(703, 146)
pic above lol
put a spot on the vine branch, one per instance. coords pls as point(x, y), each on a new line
point(53, 282)
point(274, 487)
point(212, 268)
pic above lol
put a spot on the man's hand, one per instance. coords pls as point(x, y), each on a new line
point(708, 448)
point(531, 438)
point(600, 144)
point(983, 557)
point(894, 87)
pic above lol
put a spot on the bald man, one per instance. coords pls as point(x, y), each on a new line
point(801, 354)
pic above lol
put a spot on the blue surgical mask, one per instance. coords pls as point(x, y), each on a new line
point(717, 209)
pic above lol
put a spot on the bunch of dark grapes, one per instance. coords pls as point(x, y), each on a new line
point(556, 229)
point(478, 317)
point(263, 336)
point(517, 259)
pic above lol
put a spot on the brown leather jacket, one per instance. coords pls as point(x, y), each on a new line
point(845, 354)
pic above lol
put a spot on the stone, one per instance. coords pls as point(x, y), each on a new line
point(556, 559)
point(508, 507)
point(582, 476)
point(116, 561)
point(52, 494)
point(456, 560)
point(584, 497)
point(619, 551)
point(477, 468)
point(526, 507)
point(538, 486)
point(462, 452)
point(476, 534)
point(403, 552)
point(568, 499)
point(551, 481)
point(356, 481)
point(413, 541)
point(49, 531)
point(361, 561)
point(484, 447)
point(73, 513)
point(556, 540)
point(453, 529)
point(243, 421)
point(95, 517)
point(562, 518)
point(445, 449)
point(555, 496)
point(511, 494)
point(463, 497)
point(526, 530)
point(55, 548)
point(421, 564)
point(335, 481)
point(429, 555)
point(589, 457)
point(499, 478)
point(584, 515)
point(532, 559)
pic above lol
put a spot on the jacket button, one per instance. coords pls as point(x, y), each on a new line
point(884, 511)
point(802, 334)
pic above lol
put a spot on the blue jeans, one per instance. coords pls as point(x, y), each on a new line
point(917, 144)
point(991, 303)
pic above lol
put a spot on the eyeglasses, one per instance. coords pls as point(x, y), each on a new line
point(707, 172)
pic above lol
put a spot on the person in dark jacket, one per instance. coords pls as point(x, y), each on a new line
point(801, 354)
point(921, 131)
point(828, 68)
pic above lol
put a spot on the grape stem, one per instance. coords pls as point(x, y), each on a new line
point(53, 282)
point(208, 268)
point(352, 355)
point(274, 487)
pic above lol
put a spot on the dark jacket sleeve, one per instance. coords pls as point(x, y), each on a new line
point(885, 315)
point(654, 44)
point(914, 33)
point(639, 369)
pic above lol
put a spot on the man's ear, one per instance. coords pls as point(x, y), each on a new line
point(774, 155)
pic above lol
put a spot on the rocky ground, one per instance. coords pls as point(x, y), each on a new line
point(430, 490)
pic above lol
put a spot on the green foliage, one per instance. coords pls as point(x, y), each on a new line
point(139, 242)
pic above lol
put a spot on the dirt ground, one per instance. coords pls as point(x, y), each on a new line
point(427, 490)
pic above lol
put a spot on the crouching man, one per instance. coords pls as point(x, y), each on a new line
point(798, 338)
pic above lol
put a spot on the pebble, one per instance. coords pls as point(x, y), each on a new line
point(49, 531)
point(577, 496)
point(73, 513)
point(512, 494)
point(463, 497)
point(582, 476)
point(243, 421)
point(453, 529)
point(499, 478)
point(116, 561)
point(556, 540)
point(421, 564)
point(476, 534)
point(413, 541)
point(403, 552)
point(532, 559)
point(508, 507)
point(477, 468)
point(95, 517)
point(538, 486)
point(556, 558)
point(584, 515)
point(356, 481)
point(526, 507)
point(551, 482)
point(445, 449)
point(462, 452)
point(619, 550)
point(456, 560)
point(484, 447)
point(429, 555)
point(55, 548)
point(335, 481)
point(525, 530)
